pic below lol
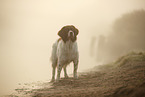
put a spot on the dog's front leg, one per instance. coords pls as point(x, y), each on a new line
point(59, 68)
point(53, 74)
point(65, 72)
point(75, 68)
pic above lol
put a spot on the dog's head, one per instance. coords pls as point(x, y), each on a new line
point(68, 32)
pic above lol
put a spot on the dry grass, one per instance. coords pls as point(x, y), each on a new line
point(132, 56)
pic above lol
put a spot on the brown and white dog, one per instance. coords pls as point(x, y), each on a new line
point(65, 51)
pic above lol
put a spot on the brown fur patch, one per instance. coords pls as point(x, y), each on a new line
point(59, 39)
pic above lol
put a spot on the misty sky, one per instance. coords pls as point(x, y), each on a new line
point(28, 28)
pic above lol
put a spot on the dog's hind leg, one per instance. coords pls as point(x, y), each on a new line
point(53, 72)
point(65, 72)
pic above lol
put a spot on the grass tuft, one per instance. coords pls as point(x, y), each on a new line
point(132, 56)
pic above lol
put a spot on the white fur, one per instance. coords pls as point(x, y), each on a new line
point(67, 52)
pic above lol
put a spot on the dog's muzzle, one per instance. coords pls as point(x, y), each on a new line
point(70, 34)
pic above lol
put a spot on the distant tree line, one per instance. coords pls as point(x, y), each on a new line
point(128, 34)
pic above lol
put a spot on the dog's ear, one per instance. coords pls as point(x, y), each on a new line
point(76, 31)
point(63, 33)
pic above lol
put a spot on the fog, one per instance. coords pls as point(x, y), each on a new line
point(28, 28)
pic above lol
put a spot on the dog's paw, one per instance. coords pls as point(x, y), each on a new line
point(57, 80)
point(52, 80)
point(75, 77)
point(66, 77)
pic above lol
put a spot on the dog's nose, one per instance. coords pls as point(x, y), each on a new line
point(71, 33)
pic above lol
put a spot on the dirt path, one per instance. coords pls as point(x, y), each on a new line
point(127, 80)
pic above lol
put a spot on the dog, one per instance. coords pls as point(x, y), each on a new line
point(65, 51)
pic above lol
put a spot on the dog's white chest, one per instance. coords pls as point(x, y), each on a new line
point(67, 52)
